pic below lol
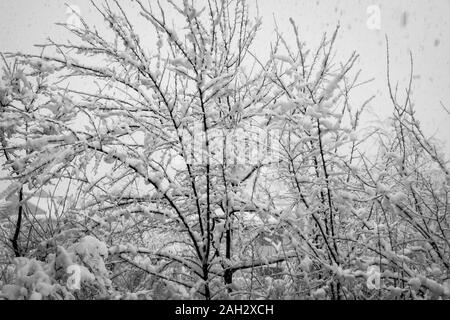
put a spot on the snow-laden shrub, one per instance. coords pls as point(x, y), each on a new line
point(77, 272)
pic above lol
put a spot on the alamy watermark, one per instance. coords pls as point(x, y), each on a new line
point(374, 17)
point(73, 14)
point(249, 145)
point(74, 280)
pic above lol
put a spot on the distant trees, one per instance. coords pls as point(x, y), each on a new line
point(185, 167)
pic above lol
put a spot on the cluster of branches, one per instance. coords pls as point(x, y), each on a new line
point(111, 158)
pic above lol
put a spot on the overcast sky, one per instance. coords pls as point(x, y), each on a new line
point(417, 25)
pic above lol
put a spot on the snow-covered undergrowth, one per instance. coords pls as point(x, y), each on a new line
point(79, 269)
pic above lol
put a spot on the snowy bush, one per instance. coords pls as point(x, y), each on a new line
point(78, 272)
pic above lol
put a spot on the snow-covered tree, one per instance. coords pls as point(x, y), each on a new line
point(171, 161)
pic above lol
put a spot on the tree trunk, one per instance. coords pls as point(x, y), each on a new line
point(228, 275)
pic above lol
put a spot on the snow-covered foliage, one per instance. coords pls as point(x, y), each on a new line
point(78, 272)
point(145, 188)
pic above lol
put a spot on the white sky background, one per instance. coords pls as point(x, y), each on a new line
point(417, 25)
